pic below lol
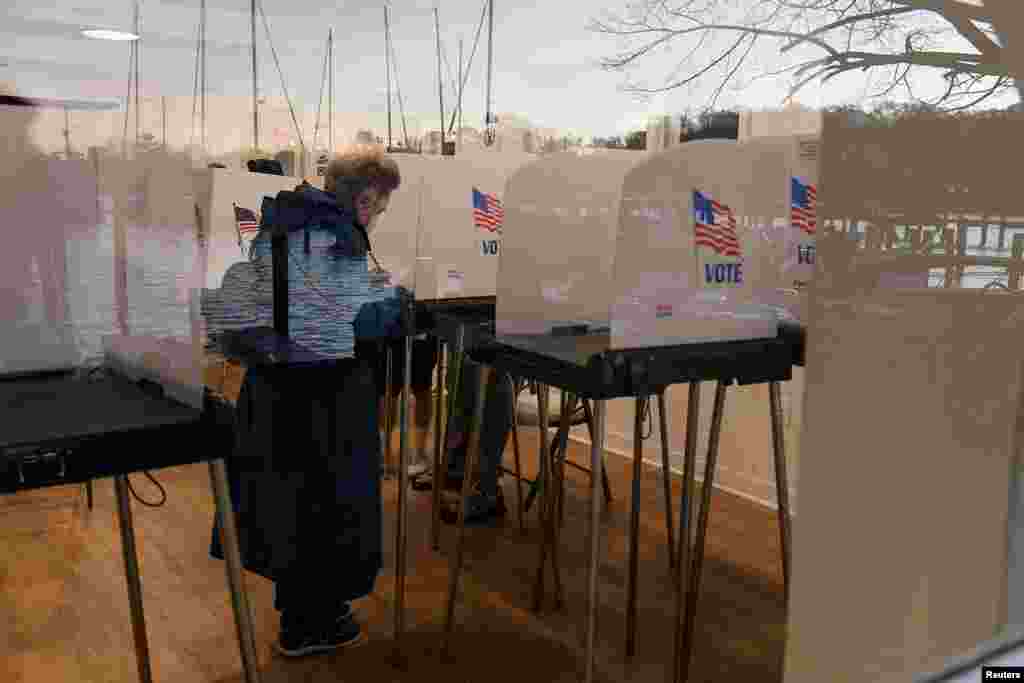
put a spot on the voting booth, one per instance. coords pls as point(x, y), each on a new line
point(696, 232)
point(780, 242)
point(51, 217)
point(108, 273)
point(447, 217)
point(644, 250)
point(158, 258)
point(561, 218)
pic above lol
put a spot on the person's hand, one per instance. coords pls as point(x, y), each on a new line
point(380, 275)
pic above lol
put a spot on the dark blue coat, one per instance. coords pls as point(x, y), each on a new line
point(306, 467)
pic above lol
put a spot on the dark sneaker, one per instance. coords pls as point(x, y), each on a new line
point(349, 613)
point(481, 510)
point(301, 641)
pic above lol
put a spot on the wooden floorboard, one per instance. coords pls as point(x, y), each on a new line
point(64, 606)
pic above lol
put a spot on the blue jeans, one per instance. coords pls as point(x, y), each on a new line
point(497, 424)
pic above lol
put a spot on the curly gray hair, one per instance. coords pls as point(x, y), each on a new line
point(349, 174)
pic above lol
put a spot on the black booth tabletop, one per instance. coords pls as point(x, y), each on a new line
point(476, 317)
point(584, 366)
point(112, 425)
point(796, 335)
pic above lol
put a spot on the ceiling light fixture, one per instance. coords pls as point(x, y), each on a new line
point(107, 34)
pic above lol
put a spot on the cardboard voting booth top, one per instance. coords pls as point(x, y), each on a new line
point(913, 394)
point(442, 233)
point(105, 268)
point(561, 217)
point(676, 247)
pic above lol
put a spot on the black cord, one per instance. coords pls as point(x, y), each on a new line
point(97, 374)
point(163, 491)
point(647, 415)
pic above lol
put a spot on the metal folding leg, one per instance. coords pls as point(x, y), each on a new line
point(597, 465)
point(515, 450)
point(131, 572)
point(236, 582)
point(454, 378)
point(634, 526)
point(549, 503)
point(781, 480)
point(666, 479)
point(683, 562)
point(401, 532)
point(389, 463)
point(560, 453)
point(439, 420)
point(472, 458)
point(693, 591)
point(537, 484)
point(591, 426)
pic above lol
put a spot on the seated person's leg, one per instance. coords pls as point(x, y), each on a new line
point(497, 423)
point(424, 360)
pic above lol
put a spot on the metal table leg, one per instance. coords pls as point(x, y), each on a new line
point(597, 463)
point(781, 480)
point(568, 410)
point(666, 478)
point(389, 463)
point(472, 458)
point(604, 474)
point(131, 571)
point(515, 450)
point(558, 503)
point(683, 564)
point(634, 526)
point(693, 593)
point(543, 475)
point(439, 417)
point(236, 582)
point(401, 531)
point(454, 379)
point(557, 452)
point(549, 501)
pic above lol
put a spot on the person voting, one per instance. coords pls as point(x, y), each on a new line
point(306, 471)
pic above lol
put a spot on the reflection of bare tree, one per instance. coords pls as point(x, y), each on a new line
point(892, 38)
point(917, 185)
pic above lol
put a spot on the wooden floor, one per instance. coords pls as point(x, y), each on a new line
point(64, 606)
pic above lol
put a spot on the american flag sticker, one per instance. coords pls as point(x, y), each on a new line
point(804, 206)
point(717, 245)
point(488, 213)
point(714, 226)
point(247, 222)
